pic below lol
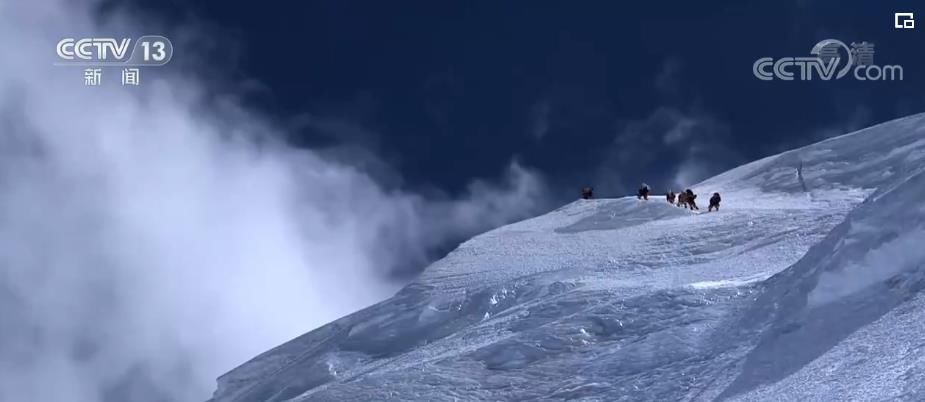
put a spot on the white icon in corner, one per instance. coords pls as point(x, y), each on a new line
point(904, 20)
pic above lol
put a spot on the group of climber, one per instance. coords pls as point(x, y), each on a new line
point(684, 199)
point(687, 199)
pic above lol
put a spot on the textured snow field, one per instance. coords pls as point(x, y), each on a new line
point(805, 286)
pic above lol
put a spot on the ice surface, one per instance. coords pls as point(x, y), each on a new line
point(805, 286)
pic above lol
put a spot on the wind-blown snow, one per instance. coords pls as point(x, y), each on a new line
point(805, 286)
point(155, 236)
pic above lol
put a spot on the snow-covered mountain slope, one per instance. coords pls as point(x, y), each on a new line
point(805, 286)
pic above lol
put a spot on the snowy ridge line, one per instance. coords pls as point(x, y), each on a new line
point(288, 361)
point(811, 261)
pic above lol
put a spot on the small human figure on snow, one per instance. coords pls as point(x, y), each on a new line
point(643, 192)
point(690, 197)
point(587, 193)
point(714, 202)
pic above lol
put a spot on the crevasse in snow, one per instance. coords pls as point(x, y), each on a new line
point(805, 286)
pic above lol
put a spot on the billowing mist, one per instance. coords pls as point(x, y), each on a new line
point(152, 239)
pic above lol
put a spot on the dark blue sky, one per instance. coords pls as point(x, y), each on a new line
point(585, 92)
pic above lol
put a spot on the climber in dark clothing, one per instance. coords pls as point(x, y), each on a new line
point(587, 193)
point(670, 197)
point(690, 199)
point(643, 192)
point(714, 202)
point(682, 199)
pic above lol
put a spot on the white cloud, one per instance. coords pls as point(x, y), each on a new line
point(152, 238)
